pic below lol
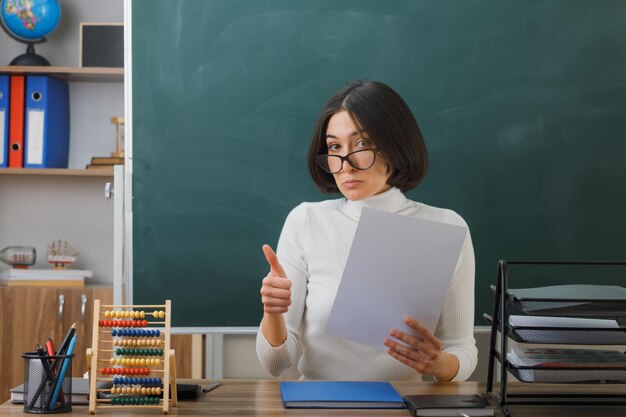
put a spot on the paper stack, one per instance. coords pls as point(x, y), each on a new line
point(568, 365)
point(568, 358)
point(105, 161)
point(18, 277)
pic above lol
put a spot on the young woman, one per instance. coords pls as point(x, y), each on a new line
point(368, 146)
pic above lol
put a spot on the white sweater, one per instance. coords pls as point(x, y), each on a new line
point(313, 249)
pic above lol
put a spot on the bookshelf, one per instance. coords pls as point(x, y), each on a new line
point(69, 203)
point(38, 206)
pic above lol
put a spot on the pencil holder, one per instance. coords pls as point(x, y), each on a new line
point(47, 383)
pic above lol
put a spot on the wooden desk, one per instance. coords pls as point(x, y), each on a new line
point(262, 398)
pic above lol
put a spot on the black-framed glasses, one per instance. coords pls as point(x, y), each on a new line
point(362, 159)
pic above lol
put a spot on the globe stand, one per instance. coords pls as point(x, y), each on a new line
point(30, 58)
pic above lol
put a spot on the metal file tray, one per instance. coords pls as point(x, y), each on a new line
point(572, 336)
point(570, 301)
point(565, 335)
point(573, 314)
point(567, 375)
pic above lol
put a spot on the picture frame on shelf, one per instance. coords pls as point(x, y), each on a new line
point(101, 45)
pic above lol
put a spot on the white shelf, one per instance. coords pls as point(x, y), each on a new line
point(94, 74)
point(92, 172)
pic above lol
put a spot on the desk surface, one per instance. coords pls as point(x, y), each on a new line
point(262, 398)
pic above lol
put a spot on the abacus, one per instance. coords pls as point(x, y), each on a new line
point(131, 349)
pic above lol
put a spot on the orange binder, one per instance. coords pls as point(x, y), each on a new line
point(16, 122)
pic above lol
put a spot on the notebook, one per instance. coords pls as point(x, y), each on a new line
point(448, 405)
point(339, 394)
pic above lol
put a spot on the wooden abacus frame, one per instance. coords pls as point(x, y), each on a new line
point(103, 351)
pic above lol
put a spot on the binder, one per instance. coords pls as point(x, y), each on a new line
point(4, 120)
point(47, 134)
point(340, 394)
point(16, 121)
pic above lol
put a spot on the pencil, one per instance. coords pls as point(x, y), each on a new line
point(49, 377)
point(67, 339)
point(61, 376)
point(65, 344)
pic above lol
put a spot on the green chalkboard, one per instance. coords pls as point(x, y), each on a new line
point(522, 105)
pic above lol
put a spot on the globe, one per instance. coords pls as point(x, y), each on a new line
point(30, 21)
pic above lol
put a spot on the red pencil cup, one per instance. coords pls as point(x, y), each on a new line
point(47, 383)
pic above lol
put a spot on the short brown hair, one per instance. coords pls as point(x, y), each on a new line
point(390, 125)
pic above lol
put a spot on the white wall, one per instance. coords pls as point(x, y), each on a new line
point(37, 210)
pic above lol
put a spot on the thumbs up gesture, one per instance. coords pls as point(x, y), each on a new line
point(276, 287)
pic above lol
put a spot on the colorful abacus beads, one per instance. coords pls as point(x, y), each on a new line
point(158, 314)
point(135, 333)
point(117, 314)
point(120, 314)
point(125, 371)
point(138, 352)
point(136, 342)
point(135, 361)
point(135, 400)
point(136, 381)
point(123, 323)
point(136, 390)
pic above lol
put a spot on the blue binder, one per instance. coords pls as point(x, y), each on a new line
point(4, 120)
point(47, 123)
point(340, 394)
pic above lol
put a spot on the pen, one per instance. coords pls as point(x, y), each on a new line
point(50, 347)
point(61, 376)
point(51, 352)
point(210, 387)
point(44, 382)
point(44, 362)
point(66, 341)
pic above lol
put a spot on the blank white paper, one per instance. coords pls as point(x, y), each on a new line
point(397, 266)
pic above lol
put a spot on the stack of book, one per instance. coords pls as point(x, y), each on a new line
point(105, 161)
point(18, 277)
